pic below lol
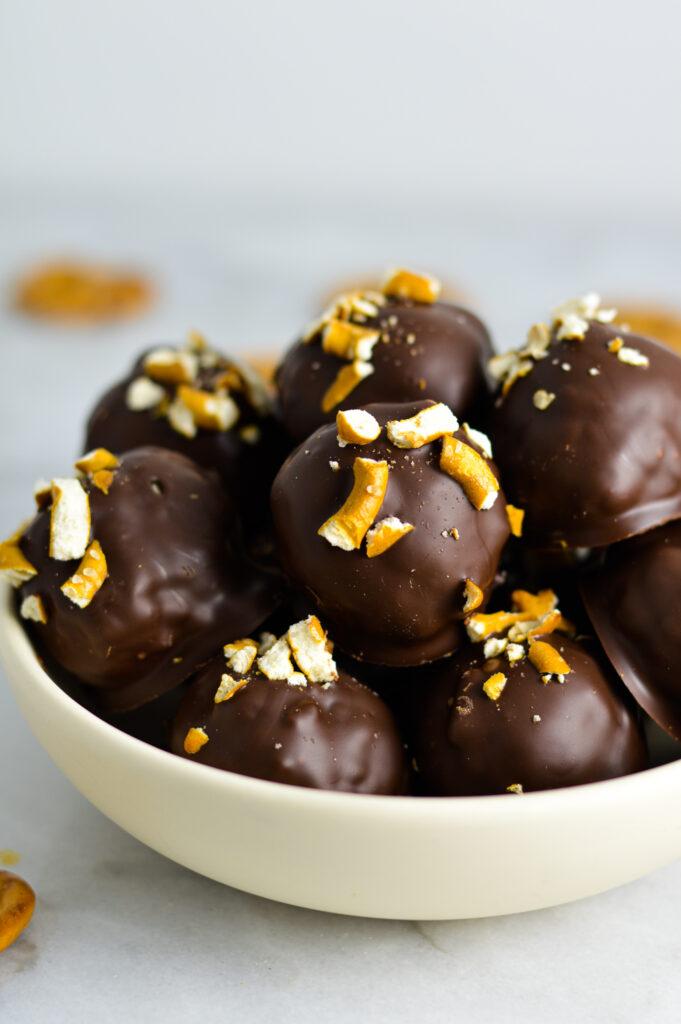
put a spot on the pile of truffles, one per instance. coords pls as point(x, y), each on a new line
point(413, 567)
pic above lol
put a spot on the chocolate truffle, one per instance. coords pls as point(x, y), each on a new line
point(196, 401)
point(398, 345)
point(523, 710)
point(282, 711)
point(425, 496)
point(587, 430)
point(131, 575)
point(634, 601)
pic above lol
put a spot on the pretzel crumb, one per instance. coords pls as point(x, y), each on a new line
point(102, 480)
point(494, 646)
point(546, 659)
point(470, 470)
point(515, 519)
point(355, 426)
point(407, 284)
point(349, 341)
point(143, 394)
point(172, 366)
point(88, 577)
point(480, 439)
point(426, 426)
point(180, 418)
point(515, 787)
point(347, 379)
point(14, 566)
point(227, 687)
point(209, 411)
point(240, 655)
point(195, 739)
point(542, 399)
point(473, 595)
point(347, 527)
point(308, 643)
point(98, 458)
point(69, 520)
point(386, 533)
point(33, 609)
point(494, 686)
point(17, 902)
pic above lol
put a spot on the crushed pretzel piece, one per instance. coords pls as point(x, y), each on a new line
point(180, 418)
point(33, 609)
point(143, 393)
point(546, 659)
point(17, 902)
point(98, 458)
point(494, 646)
point(209, 411)
point(347, 379)
point(346, 528)
point(480, 439)
point(240, 655)
point(515, 787)
point(514, 653)
point(406, 284)
point(172, 366)
point(535, 605)
point(265, 642)
point(515, 519)
point(571, 318)
point(632, 356)
point(470, 470)
point(69, 520)
point(349, 341)
point(356, 426)
point(194, 740)
point(482, 625)
point(537, 342)
point(474, 596)
point(14, 566)
point(615, 345)
point(494, 686)
point(386, 533)
point(276, 662)
point(227, 687)
point(103, 479)
point(88, 577)
point(426, 426)
point(542, 399)
point(307, 640)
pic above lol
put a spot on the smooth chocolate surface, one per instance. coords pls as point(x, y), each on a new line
point(247, 467)
point(405, 606)
point(340, 736)
point(466, 744)
point(444, 359)
point(634, 601)
point(178, 581)
point(603, 461)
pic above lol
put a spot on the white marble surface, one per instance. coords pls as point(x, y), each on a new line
point(120, 933)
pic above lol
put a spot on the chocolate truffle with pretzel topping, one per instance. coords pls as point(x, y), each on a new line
point(634, 602)
point(283, 711)
point(197, 401)
point(522, 710)
point(132, 573)
point(398, 345)
point(392, 522)
point(587, 430)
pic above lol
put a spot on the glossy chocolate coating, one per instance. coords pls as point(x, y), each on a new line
point(445, 361)
point(177, 583)
point(603, 461)
point(247, 469)
point(467, 745)
point(405, 606)
point(339, 737)
point(634, 601)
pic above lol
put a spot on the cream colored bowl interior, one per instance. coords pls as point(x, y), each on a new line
point(393, 857)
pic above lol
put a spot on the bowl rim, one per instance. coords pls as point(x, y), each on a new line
point(481, 809)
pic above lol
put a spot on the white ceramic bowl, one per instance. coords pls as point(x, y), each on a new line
point(374, 856)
